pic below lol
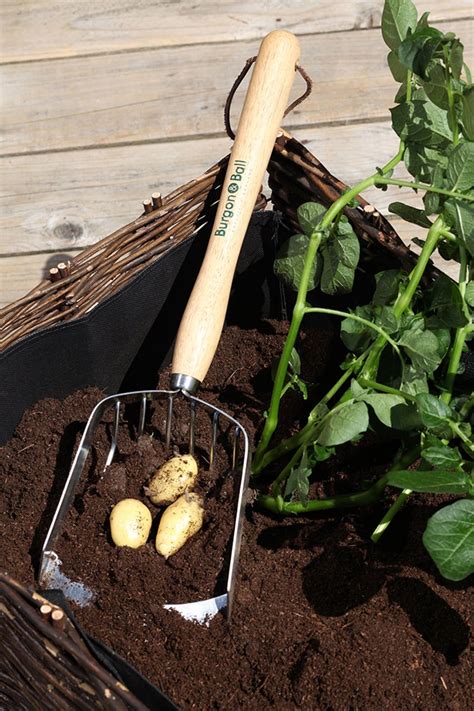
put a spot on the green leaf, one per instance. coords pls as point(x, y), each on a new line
point(414, 381)
point(345, 424)
point(398, 17)
point(295, 362)
point(422, 348)
point(445, 300)
point(399, 72)
point(383, 405)
point(301, 385)
point(385, 318)
point(468, 112)
point(460, 171)
point(320, 453)
point(357, 390)
point(435, 86)
point(418, 49)
point(443, 336)
point(431, 200)
point(297, 484)
point(460, 215)
point(422, 161)
point(456, 58)
point(422, 122)
point(434, 412)
point(289, 263)
point(449, 251)
point(406, 418)
point(430, 482)
point(309, 216)
point(410, 214)
point(441, 455)
point(355, 336)
point(386, 290)
point(340, 258)
point(469, 295)
point(449, 539)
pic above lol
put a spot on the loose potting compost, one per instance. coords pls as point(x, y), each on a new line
point(346, 360)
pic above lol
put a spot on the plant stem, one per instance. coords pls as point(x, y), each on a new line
point(404, 299)
point(298, 313)
point(391, 513)
point(460, 335)
point(467, 441)
point(354, 317)
point(380, 180)
point(385, 389)
point(310, 434)
point(359, 498)
point(451, 107)
point(295, 440)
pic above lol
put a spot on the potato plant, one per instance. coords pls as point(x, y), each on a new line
point(404, 347)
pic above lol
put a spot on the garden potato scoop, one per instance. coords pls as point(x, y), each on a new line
point(203, 320)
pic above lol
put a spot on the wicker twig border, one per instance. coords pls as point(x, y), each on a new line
point(44, 662)
point(295, 176)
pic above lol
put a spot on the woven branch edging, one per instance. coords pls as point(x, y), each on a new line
point(105, 267)
point(295, 176)
point(45, 663)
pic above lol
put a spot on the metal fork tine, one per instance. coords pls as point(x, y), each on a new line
point(169, 417)
point(141, 422)
point(235, 448)
point(192, 422)
point(50, 567)
point(113, 445)
point(215, 422)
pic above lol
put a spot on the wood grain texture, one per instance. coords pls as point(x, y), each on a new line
point(173, 93)
point(82, 27)
point(265, 103)
point(66, 201)
point(20, 273)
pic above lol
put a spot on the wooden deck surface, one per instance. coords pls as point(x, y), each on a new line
point(104, 103)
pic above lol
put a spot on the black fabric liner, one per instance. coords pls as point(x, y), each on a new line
point(119, 346)
point(146, 692)
point(122, 342)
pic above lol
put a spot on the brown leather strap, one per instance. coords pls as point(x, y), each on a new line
point(239, 80)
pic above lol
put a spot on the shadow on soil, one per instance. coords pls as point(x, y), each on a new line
point(347, 570)
point(441, 626)
point(61, 470)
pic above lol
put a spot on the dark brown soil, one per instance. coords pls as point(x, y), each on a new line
point(323, 618)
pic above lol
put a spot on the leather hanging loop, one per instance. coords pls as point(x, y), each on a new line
point(241, 77)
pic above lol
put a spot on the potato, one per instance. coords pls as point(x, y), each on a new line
point(178, 523)
point(130, 523)
point(176, 476)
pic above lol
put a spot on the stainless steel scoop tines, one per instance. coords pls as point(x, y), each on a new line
point(203, 320)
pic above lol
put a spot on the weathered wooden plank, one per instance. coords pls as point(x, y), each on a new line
point(69, 200)
point(20, 273)
point(170, 93)
point(81, 27)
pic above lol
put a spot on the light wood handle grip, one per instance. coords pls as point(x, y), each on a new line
point(263, 109)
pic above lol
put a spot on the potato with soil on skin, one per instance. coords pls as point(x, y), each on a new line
point(178, 523)
point(172, 479)
point(130, 523)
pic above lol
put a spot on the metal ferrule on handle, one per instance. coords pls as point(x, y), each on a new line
point(262, 113)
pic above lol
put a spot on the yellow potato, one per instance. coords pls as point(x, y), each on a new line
point(130, 523)
point(178, 523)
point(176, 476)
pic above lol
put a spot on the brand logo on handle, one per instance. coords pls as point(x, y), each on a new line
point(232, 190)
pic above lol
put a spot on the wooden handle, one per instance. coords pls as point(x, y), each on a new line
point(263, 109)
